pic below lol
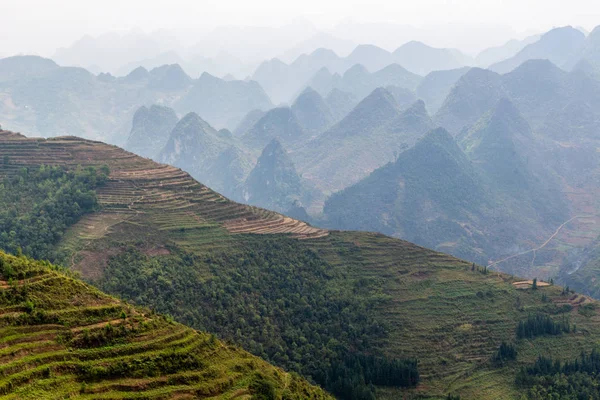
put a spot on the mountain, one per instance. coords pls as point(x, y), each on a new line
point(558, 46)
point(50, 100)
point(109, 348)
point(503, 146)
point(278, 123)
point(436, 85)
point(322, 68)
point(321, 40)
point(248, 122)
point(169, 78)
point(23, 67)
point(284, 81)
point(136, 75)
point(476, 92)
point(502, 183)
point(420, 196)
point(497, 54)
point(274, 76)
point(162, 240)
point(340, 103)
point(421, 59)
point(396, 75)
point(150, 130)
point(369, 136)
point(312, 112)
point(589, 53)
point(223, 103)
point(274, 183)
point(110, 51)
point(549, 98)
point(199, 149)
point(373, 58)
point(358, 81)
point(404, 97)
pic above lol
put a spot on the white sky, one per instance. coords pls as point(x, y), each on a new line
point(40, 26)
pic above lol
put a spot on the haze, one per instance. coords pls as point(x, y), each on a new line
point(40, 27)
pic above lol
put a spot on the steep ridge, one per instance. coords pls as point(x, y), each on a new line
point(208, 155)
point(312, 112)
point(480, 205)
point(278, 123)
point(150, 130)
point(435, 87)
point(61, 338)
point(369, 136)
point(163, 240)
point(559, 46)
point(274, 183)
point(358, 81)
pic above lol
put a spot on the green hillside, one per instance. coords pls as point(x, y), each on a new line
point(60, 338)
point(355, 312)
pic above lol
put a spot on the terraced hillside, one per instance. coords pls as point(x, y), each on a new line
point(315, 302)
point(60, 338)
point(140, 189)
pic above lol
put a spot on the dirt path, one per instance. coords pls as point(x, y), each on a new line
point(534, 250)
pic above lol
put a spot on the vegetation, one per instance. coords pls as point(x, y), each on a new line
point(552, 379)
point(60, 338)
point(274, 300)
point(38, 204)
point(506, 352)
point(540, 324)
point(181, 248)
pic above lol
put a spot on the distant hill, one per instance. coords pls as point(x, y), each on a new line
point(23, 67)
point(498, 54)
point(558, 46)
point(435, 87)
point(421, 59)
point(434, 195)
point(588, 54)
point(364, 140)
point(283, 81)
point(197, 147)
point(474, 94)
point(312, 112)
point(340, 103)
point(223, 103)
point(48, 100)
point(278, 123)
point(274, 183)
point(169, 78)
point(248, 122)
point(358, 81)
point(150, 130)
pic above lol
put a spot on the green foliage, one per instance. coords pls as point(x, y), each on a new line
point(262, 388)
point(279, 301)
point(60, 337)
point(551, 379)
point(37, 205)
point(506, 352)
point(541, 324)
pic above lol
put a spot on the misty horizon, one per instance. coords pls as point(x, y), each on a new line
point(267, 29)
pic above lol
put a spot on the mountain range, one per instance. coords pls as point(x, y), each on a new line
point(274, 285)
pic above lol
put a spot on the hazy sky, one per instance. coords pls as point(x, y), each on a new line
point(40, 26)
